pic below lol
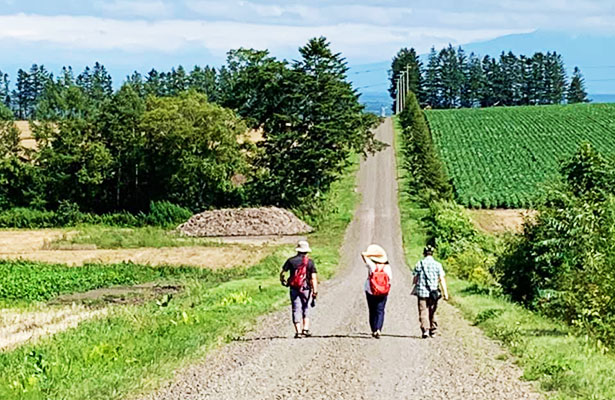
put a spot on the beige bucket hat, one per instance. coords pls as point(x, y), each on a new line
point(303, 247)
point(376, 254)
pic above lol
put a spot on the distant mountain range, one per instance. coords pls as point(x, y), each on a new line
point(593, 54)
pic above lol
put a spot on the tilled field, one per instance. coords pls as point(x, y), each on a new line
point(341, 360)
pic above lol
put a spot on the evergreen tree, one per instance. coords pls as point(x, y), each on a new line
point(203, 80)
point(427, 177)
point(576, 91)
point(97, 83)
point(555, 78)
point(135, 81)
point(5, 93)
point(406, 60)
point(154, 85)
point(432, 80)
point(451, 77)
point(475, 82)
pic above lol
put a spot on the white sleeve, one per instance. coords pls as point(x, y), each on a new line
point(389, 271)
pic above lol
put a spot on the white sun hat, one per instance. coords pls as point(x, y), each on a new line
point(376, 254)
point(303, 247)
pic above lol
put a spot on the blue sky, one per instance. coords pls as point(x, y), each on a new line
point(138, 34)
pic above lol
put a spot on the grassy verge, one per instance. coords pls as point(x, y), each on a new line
point(566, 364)
point(105, 237)
point(136, 347)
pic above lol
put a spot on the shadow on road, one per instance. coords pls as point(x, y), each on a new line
point(359, 335)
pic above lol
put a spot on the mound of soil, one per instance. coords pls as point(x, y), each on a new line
point(244, 222)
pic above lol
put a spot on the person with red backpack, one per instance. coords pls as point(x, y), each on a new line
point(303, 284)
point(377, 285)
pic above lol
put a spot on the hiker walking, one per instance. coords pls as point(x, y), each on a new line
point(428, 273)
point(303, 284)
point(377, 285)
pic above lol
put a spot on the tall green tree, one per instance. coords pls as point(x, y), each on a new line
point(318, 124)
point(406, 60)
point(191, 152)
point(576, 91)
point(427, 176)
point(432, 80)
point(203, 80)
point(5, 92)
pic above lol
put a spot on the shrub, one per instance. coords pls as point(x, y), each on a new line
point(164, 213)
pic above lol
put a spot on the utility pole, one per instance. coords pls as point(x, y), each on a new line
point(397, 96)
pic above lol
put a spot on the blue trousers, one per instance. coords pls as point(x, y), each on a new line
point(376, 305)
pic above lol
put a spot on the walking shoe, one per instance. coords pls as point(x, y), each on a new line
point(425, 335)
point(297, 335)
point(307, 333)
point(433, 333)
point(377, 334)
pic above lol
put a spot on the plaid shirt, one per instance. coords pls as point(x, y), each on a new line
point(428, 274)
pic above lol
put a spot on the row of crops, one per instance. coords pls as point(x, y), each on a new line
point(501, 157)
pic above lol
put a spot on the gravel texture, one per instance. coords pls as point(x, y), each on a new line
point(341, 360)
point(244, 222)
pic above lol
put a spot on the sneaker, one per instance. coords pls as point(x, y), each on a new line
point(297, 335)
point(433, 333)
point(425, 335)
point(377, 334)
point(307, 333)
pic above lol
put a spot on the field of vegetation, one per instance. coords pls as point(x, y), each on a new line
point(501, 157)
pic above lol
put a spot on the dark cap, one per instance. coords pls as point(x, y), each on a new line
point(429, 249)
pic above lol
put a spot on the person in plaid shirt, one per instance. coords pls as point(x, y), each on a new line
point(428, 273)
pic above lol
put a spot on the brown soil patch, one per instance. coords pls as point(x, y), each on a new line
point(18, 327)
point(500, 220)
point(25, 134)
point(137, 294)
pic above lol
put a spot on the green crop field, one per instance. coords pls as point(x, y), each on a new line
point(500, 157)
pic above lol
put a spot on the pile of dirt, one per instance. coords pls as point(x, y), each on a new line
point(244, 222)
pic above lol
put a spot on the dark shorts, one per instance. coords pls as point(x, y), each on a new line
point(300, 301)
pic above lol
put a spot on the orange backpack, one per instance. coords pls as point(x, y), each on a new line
point(379, 281)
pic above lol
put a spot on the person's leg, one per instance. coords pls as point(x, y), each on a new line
point(433, 322)
point(372, 311)
point(380, 306)
point(295, 301)
point(305, 307)
point(423, 315)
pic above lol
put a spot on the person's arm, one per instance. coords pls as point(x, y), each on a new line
point(443, 284)
point(285, 268)
point(415, 278)
point(314, 285)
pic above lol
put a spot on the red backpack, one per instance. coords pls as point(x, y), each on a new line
point(379, 281)
point(298, 279)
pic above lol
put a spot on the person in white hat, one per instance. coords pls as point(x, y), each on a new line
point(377, 285)
point(303, 284)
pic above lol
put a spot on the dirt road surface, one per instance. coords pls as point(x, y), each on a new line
point(342, 361)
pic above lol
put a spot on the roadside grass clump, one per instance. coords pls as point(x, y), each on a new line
point(136, 347)
point(106, 237)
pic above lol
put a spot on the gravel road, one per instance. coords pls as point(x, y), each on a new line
point(342, 361)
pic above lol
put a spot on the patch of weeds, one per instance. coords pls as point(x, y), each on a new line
point(485, 315)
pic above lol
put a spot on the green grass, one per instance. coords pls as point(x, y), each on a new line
point(137, 347)
point(562, 360)
point(105, 237)
point(565, 363)
point(499, 157)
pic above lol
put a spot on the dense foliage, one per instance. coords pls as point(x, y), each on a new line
point(500, 157)
point(181, 137)
point(427, 178)
point(453, 79)
point(564, 263)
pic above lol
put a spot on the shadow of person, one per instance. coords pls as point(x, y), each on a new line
point(357, 335)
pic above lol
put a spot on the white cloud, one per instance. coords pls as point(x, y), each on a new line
point(139, 8)
point(360, 41)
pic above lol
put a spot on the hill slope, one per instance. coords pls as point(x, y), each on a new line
point(500, 157)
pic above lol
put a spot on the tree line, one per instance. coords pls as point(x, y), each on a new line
point(181, 136)
point(452, 79)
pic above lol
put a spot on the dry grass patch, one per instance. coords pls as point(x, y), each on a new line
point(500, 220)
point(18, 327)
